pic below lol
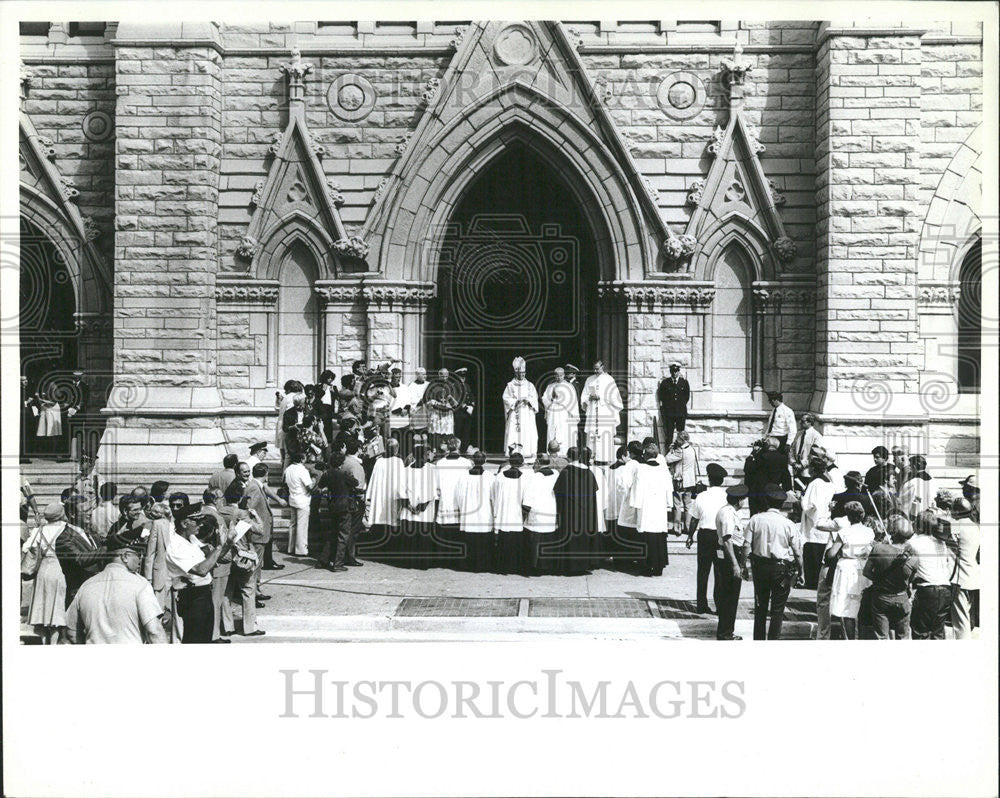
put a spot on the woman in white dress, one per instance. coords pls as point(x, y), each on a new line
point(47, 609)
point(849, 550)
point(49, 419)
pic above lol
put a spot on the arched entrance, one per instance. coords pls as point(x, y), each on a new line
point(48, 342)
point(517, 275)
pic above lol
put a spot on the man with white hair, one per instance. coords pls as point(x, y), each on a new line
point(602, 405)
point(520, 404)
point(419, 416)
point(562, 413)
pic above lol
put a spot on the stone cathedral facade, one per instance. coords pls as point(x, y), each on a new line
point(786, 205)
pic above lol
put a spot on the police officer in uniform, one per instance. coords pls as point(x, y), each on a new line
point(673, 396)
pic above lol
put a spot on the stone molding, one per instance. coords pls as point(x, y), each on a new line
point(943, 294)
point(399, 295)
point(658, 297)
point(246, 292)
point(775, 296)
point(338, 293)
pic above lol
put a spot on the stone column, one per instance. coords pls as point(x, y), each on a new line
point(395, 322)
point(868, 214)
point(344, 322)
point(168, 131)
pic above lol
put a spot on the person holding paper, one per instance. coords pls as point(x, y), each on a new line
point(245, 529)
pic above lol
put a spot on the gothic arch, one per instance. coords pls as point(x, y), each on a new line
point(295, 227)
point(741, 231)
point(410, 231)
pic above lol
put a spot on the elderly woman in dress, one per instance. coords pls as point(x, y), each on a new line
point(47, 609)
point(846, 557)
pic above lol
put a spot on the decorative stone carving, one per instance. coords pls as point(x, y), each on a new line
point(628, 137)
point(338, 294)
point(247, 248)
point(275, 143)
point(515, 45)
point(69, 190)
point(318, 149)
point(677, 248)
point(734, 69)
point(774, 297)
point(25, 83)
point(400, 147)
point(296, 71)
point(735, 191)
point(654, 192)
point(335, 196)
point(602, 88)
point(939, 294)
point(430, 89)
point(696, 192)
point(753, 135)
point(718, 135)
point(383, 184)
point(776, 196)
point(785, 249)
point(351, 97)
point(456, 40)
point(48, 147)
point(657, 297)
point(258, 190)
point(91, 230)
point(352, 247)
point(298, 192)
point(243, 292)
point(98, 126)
point(681, 95)
point(398, 295)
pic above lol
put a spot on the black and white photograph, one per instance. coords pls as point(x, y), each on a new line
point(504, 332)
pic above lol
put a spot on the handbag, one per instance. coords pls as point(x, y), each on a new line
point(245, 559)
point(31, 559)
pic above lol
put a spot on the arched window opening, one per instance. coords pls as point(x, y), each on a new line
point(970, 320)
point(732, 350)
point(299, 325)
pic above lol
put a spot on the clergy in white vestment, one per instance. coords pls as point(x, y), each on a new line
point(418, 495)
point(612, 506)
point(623, 478)
point(450, 469)
point(382, 494)
point(540, 503)
point(508, 516)
point(562, 412)
point(520, 404)
point(474, 501)
point(602, 406)
point(419, 414)
point(651, 495)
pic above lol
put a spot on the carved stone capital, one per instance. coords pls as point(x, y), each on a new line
point(353, 248)
point(657, 298)
point(246, 292)
point(338, 293)
point(776, 297)
point(398, 295)
point(939, 294)
point(296, 71)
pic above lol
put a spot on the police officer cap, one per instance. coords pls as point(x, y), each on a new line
point(188, 512)
point(714, 470)
point(122, 539)
point(740, 491)
point(258, 446)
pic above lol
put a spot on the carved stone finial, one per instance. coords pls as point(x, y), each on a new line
point(734, 72)
point(296, 71)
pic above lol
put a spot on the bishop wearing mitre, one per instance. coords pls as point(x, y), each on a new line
point(520, 404)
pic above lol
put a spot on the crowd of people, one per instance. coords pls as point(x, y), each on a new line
point(381, 470)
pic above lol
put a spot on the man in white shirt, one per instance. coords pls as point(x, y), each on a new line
point(300, 483)
point(965, 582)
point(781, 424)
point(508, 514)
point(703, 511)
point(106, 513)
point(450, 469)
point(730, 565)
point(919, 490)
point(117, 605)
point(539, 502)
point(932, 579)
point(399, 407)
point(474, 499)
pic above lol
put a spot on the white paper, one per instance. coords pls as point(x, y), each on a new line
point(240, 529)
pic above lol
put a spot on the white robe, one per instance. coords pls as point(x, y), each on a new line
point(652, 497)
point(382, 494)
point(508, 496)
point(449, 472)
point(521, 426)
point(539, 497)
point(624, 477)
point(419, 485)
point(562, 414)
point(602, 497)
point(474, 500)
point(603, 414)
point(816, 509)
point(419, 416)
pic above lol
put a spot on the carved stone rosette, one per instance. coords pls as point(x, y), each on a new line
point(246, 293)
point(657, 298)
point(247, 248)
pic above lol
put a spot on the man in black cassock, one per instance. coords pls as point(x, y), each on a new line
point(576, 504)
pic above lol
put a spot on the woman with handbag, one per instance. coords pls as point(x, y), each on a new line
point(47, 609)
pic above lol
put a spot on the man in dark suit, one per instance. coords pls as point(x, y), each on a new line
point(768, 465)
point(339, 486)
point(853, 493)
point(673, 396)
point(79, 554)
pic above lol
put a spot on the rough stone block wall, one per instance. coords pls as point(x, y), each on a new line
point(242, 336)
point(645, 332)
point(346, 336)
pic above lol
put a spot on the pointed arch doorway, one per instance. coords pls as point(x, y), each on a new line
point(517, 275)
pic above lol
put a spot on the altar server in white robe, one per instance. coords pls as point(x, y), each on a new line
point(418, 494)
point(450, 469)
point(520, 404)
point(602, 406)
point(652, 497)
point(540, 503)
point(474, 501)
point(562, 412)
point(624, 477)
point(508, 516)
point(382, 496)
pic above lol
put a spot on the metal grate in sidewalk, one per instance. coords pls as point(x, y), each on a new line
point(444, 607)
point(587, 608)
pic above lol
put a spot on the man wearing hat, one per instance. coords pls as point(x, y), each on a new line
point(775, 550)
point(965, 581)
point(79, 554)
point(730, 564)
point(704, 510)
point(853, 492)
point(917, 493)
point(781, 423)
point(562, 412)
point(970, 491)
point(258, 451)
point(117, 605)
point(672, 396)
point(520, 404)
